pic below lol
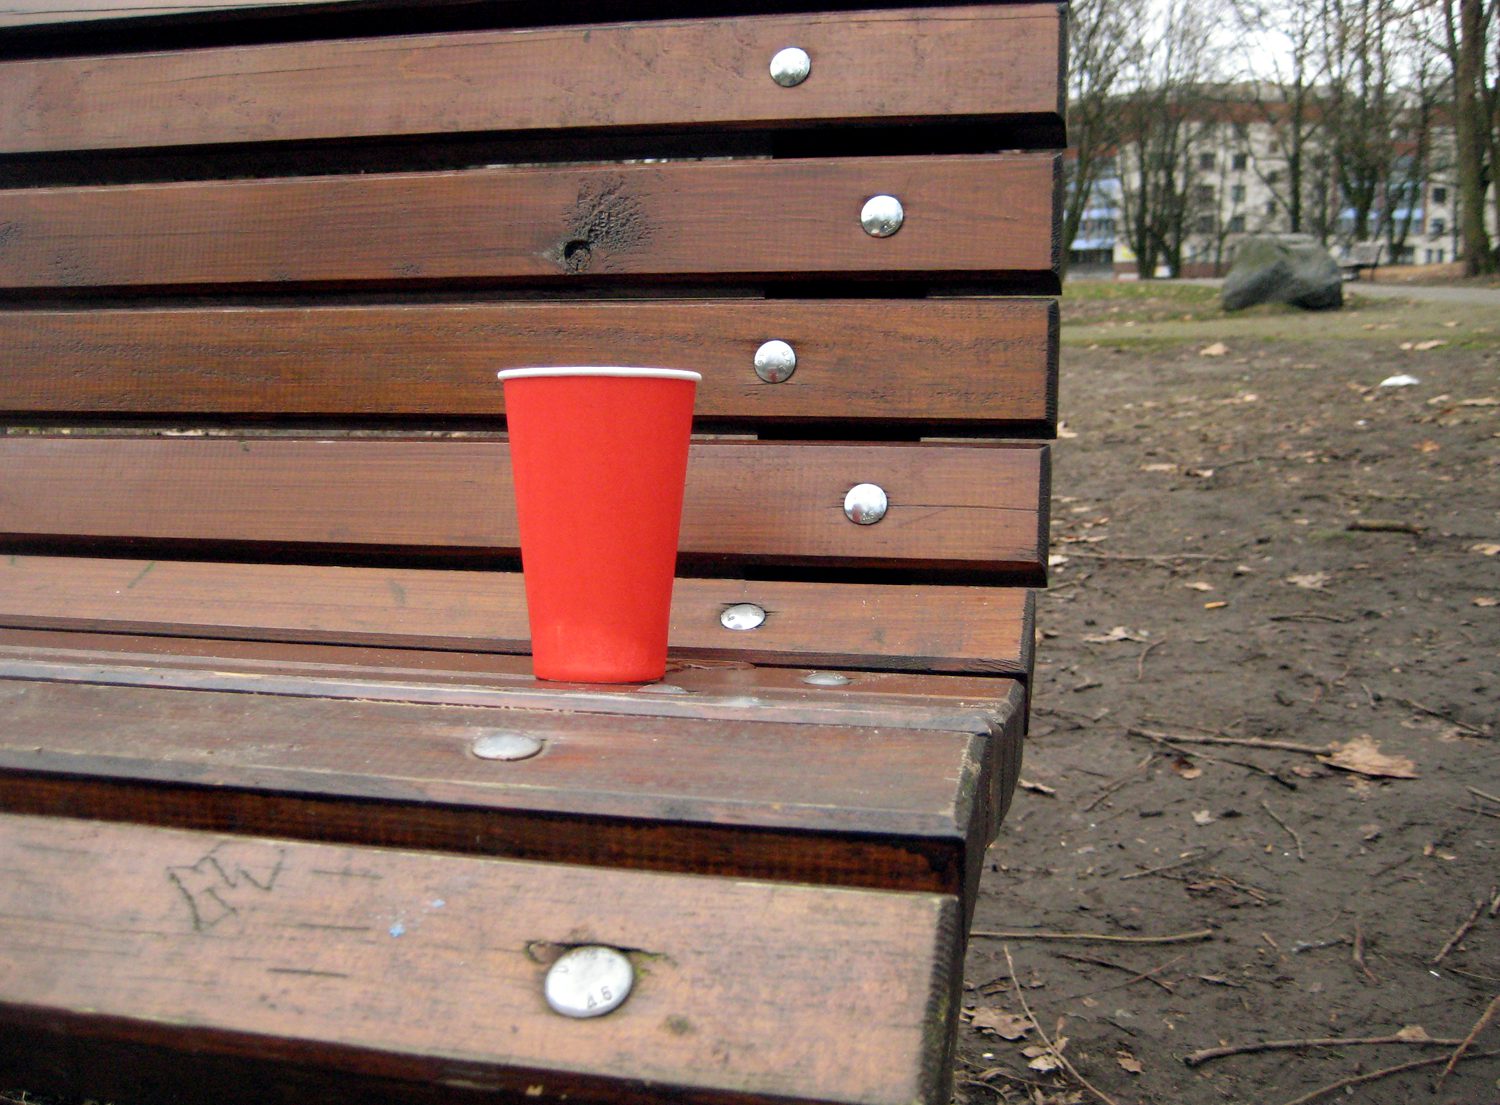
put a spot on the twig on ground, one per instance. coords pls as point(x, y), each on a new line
point(1461, 931)
point(1183, 861)
point(1168, 558)
point(1375, 1075)
point(1120, 782)
point(1495, 902)
point(1109, 937)
point(1479, 1026)
point(1380, 525)
point(1135, 976)
point(1481, 794)
point(1242, 742)
point(1041, 1032)
point(1308, 616)
point(1357, 954)
point(1296, 837)
point(1449, 718)
point(1140, 661)
point(1198, 1058)
point(983, 1077)
point(1167, 742)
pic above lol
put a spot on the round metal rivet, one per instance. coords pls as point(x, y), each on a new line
point(865, 504)
point(589, 981)
point(505, 746)
point(663, 688)
point(826, 679)
point(882, 216)
point(775, 361)
point(743, 615)
point(790, 66)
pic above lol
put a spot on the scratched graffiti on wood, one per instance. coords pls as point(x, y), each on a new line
point(222, 880)
point(604, 220)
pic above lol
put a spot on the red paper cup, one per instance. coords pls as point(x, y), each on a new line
point(599, 457)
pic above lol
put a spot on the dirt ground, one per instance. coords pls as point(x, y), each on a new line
point(1210, 578)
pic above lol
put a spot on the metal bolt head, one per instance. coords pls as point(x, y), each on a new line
point(589, 981)
point(775, 361)
point(790, 67)
point(865, 504)
point(826, 679)
point(742, 616)
point(882, 216)
point(500, 745)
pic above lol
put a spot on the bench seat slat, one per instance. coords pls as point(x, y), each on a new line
point(975, 62)
point(427, 969)
point(954, 629)
point(906, 808)
point(960, 507)
point(982, 218)
point(977, 363)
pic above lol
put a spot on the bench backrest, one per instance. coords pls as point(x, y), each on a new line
point(260, 262)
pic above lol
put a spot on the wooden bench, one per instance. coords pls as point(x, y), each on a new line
point(1361, 257)
point(260, 602)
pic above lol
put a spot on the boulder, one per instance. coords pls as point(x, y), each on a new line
point(1278, 270)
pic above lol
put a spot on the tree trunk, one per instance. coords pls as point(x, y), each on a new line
point(1471, 124)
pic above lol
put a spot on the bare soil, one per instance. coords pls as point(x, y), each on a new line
point(1210, 579)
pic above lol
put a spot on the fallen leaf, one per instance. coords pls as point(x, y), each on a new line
point(1203, 817)
point(1186, 768)
point(1158, 468)
point(1199, 585)
point(1037, 788)
point(1045, 1064)
point(1056, 560)
point(1486, 600)
point(1481, 401)
point(1400, 380)
point(1362, 756)
point(1008, 1026)
point(1201, 473)
point(1412, 1032)
point(1485, 549)
point(1128, 1062)
point(1430, 343)
point(1306, 771)
point(1312, 581)
point(1118, 633)
point(1215, 605)
point(1427, 447)
point(1217, 349)
point(1064, 432)
point(1369, 832)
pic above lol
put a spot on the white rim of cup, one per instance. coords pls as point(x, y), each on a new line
point(589, 370)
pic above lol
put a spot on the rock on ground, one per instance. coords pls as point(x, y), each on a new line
point(1271, 270)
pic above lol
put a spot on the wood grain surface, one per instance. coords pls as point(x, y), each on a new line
point(961, 507)
point(974, 62)
point(982, 363)
point(980, 218)
point(430, 968)
point(954, 629)
point(863, 807)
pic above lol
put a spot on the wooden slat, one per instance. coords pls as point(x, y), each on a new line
point(956, 629)
point(975, 218)
point(980, 362)
point(895, 67)
point(739, 796)
point(424, 968)
point(970, 507)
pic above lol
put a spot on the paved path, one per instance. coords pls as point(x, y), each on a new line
point(1426, 293)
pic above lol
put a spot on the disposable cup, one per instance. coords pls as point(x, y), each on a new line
point(599, 457)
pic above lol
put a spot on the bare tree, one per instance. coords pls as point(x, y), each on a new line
point(1476, 121)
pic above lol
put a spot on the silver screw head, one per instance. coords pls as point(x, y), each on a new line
point(500, 745)
point(589, 981)
point(742, 616)
point(826, 679)
point(790, 67)
point(865, 504)
point(775, 361)
point(882, 216)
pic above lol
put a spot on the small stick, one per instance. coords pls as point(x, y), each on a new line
point(1296, 838)
point(1143, 976)
point(1462, 931)
point(1358, 955)
point(1374, 1075)
point(1166, 742)
point(1120, 782)
point(1198, 1058)
point(1377, 525)
point(1169, 866)
point(1495, 901)
point(1173, 938)
point(1479, 1026)
point(1165, 559)
point(1042, 1032)
point(1243, 742)
point(1481, 794)
point(1140, 661)
point(1451, 720)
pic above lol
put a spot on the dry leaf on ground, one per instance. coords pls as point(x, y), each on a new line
point(1485, 549)
point(1008, 1026)
point(1412, 1032)
point(1486, 600)
point(1312, 581)
point(1128, 1062)
point(1203, 817)
point(1199, 585)
point(1362, 756)
point(1118, 633)
point(1186, 768)
point(1217, 349)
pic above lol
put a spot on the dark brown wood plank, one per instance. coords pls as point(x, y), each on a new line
point(955, 629)
point(961, 507)
point(730, 795)
point(32, 13)
point(970, 218)
point(428, 968)
point(980, 63)
point(977, 362)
